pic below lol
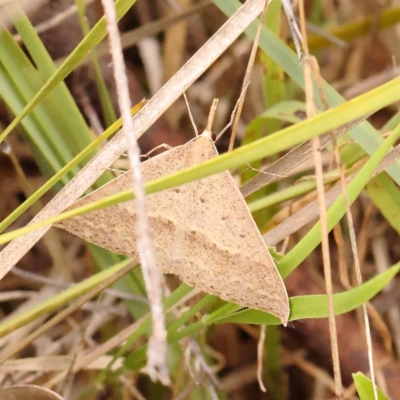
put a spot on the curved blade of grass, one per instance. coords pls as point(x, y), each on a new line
point(314, 306)
point(95, 36)
point(283, 111)
point(365, 389)
point(365, 135)
point(302, 307)
point(311, 240)
point(272, 144)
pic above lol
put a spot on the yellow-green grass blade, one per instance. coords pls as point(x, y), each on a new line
point(272, 144)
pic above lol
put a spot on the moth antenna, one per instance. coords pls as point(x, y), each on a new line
point(191, 115)
point(211, 118)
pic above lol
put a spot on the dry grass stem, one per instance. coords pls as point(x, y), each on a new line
point(354, 249)
point(157, 351)
point(309, 67)
point(294, 28)
point(246, 79)
point(353, 240)
point(260, 356)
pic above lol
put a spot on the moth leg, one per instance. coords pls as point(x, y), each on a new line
point(265, 171)
point(160, 146)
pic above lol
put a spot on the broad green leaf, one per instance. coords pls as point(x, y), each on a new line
point(365, 389)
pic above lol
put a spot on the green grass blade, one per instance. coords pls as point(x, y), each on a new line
point(285, 194)
point(15, 102)
point(95, 36)
point(311, 240)
point(386, 196)
point(105, 99)
point(27, 81)
point(314, 306)
point(71, 123)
